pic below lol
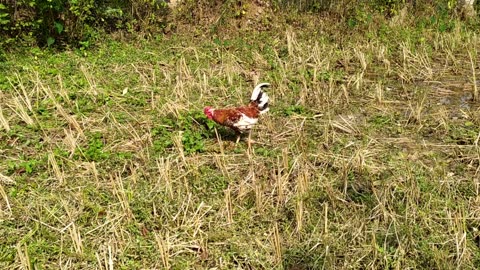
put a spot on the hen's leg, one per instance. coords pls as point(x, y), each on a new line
point(238, 136)
point(250, 141)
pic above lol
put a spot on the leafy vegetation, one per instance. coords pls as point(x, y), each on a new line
point(76, 22)
point(192, 127)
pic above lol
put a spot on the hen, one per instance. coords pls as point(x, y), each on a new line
point(242, 119)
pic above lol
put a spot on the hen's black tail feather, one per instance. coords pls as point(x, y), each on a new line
point(260, 97)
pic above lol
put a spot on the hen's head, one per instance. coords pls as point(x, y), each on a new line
point(208, 111)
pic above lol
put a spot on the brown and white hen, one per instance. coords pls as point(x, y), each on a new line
point(242, 119)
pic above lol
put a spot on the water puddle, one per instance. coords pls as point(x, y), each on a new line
point(452, 93)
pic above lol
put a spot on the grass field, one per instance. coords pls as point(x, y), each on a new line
point(368, 158)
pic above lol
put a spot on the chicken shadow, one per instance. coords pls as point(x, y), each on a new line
point(224, 134)
point(227, 135)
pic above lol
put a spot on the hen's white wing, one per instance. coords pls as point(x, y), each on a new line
point(245, 123)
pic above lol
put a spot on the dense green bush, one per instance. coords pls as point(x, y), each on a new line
point(75, 22)
point(79, 23)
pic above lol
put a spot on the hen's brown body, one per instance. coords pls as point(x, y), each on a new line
point(229, 117)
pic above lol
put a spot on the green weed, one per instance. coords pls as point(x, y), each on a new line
point(94, 150)
point(194, 128)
